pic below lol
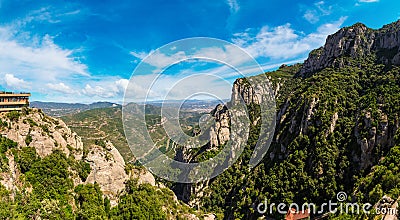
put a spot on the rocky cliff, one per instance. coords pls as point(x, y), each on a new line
point(32, 128)
point(356, 41)
point(44, 133)
point(47, 173)
point(334, 126)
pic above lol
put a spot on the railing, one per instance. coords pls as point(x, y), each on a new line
point(14, 93)
point(14, 103)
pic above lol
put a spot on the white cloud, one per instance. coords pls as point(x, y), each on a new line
point(41, 59)
point(283, 41)
point(368, 1)
point(121, 85)
point(61, 87)
point(233, 5)
point(35, 63)
point(97, 91)
point(280, 44)
point(318, 10)
point(161, 60)
point(228, 54)
point(140, 55)
point(311, 16)
point(323, 8)
point(107, 88)
point(176, 87)
point(13, 82)
point(224, 53)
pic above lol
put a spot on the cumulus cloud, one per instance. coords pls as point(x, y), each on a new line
point(225, 53)
point(107, 88)
point(13, 82)
point(283, 41)
point(41, 60)
point(60, 87)
point(122, 84)
point(161, 60)
point(141, 55)
point(176, 87)
point(36, 62)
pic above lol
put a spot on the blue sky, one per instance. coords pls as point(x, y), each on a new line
point(86, 51)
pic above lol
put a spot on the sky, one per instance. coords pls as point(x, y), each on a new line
point(86, 51)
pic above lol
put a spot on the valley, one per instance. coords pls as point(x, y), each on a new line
point(337, 131)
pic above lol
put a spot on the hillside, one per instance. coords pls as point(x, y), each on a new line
point(46, 172)
point(97, 126)
point(56, 109)
point(337, 131)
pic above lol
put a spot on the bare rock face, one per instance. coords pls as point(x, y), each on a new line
point(209, 217)
point(356, 41)
point(380, 135)
point(220, 133)
point(46, 134)
point(143, 176)
point(11, 179)
point(241, 90)
point(108, 170)
point(308, 114)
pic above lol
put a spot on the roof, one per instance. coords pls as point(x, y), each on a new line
point(292, 214)
point(12, 94)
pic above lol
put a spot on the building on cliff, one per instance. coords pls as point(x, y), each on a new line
point(10, 101)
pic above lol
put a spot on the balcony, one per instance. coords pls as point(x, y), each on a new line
point(14, 103)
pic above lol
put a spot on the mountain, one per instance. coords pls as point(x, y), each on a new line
point(337, 130)
point(99, 125)
point(60, 109)
point(46, 172)
point(57, 109)
point(355, 42)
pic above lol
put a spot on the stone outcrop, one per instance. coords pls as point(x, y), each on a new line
point(307, 116)
point(108, 170)
point(355, 41)
point(45, 134)
point(11, 179)
point(380, 135)
point(220, 133)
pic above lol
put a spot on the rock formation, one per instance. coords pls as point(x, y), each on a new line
point(356, 41)
point(45, 134)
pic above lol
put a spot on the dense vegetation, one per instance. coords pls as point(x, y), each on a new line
point(308, 160)
point(105, 124)
point(337, 131)
point(47, 191)
point(99, 125)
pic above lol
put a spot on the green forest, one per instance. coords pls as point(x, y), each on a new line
point(337, 131)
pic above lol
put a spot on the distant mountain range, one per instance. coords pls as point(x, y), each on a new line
point(57, 109)
point(60, 109)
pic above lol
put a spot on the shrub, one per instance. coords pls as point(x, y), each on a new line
point(30, 122)
point(28, 139)
point(13, 115)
